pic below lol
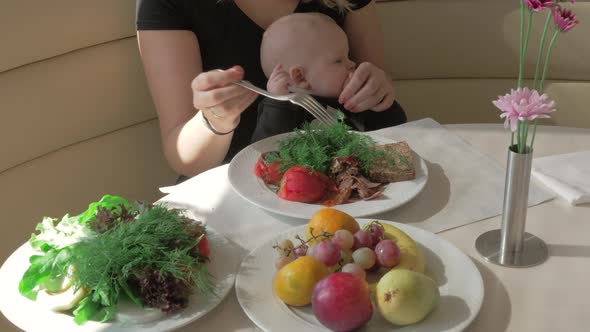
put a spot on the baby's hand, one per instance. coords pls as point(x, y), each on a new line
point(279, 81)
point(369, 88)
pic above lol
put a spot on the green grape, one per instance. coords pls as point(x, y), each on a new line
point(364, 257)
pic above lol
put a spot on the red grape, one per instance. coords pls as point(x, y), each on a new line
point(376, 231)
point(327, 252)
point(362, 239)
point(300, 250)
point(388, 253)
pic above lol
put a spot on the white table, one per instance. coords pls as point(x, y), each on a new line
point(549, 297)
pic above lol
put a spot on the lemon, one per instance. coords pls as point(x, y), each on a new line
point(294, 282)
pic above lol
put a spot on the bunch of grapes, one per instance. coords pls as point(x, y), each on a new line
point(372, 250)
point(325, 251)
point(365, 250)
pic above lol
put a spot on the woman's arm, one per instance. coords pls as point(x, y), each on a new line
point(171, 61)
point(370, 87)
point(365, 36)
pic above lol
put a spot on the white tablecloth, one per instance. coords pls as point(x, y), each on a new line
point(515, 299)
point(464, 185)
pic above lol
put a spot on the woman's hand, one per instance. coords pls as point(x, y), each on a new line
point(221, 101)
point(369, 88)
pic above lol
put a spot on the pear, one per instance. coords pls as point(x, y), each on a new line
point(405, 297)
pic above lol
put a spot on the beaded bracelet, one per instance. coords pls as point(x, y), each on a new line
point(208, 125)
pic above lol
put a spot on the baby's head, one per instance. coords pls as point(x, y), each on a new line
point(313, 50)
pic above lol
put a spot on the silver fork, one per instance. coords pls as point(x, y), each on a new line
point(304, 100)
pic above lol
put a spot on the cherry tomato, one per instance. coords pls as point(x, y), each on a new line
point(203, 246)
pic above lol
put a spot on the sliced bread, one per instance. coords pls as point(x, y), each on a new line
point(402, 167)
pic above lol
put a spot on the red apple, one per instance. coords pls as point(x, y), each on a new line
point(342, 301)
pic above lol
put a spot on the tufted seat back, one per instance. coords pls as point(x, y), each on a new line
point(451, 58)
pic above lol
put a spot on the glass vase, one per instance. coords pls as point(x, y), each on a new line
point(511, 245)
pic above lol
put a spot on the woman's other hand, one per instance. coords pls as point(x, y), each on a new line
point(221, 101)
point(369, 88)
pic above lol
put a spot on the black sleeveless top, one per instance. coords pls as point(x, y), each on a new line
point(227, 37)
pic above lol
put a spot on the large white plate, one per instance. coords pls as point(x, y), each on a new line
point(246, 184)
point(32, 316)
point(460, 286)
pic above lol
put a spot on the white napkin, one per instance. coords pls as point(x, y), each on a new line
point(170, 189)
point(187, 185)
point(464, 185)
point(568, 175)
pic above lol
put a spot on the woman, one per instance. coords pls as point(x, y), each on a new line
point(205, 119)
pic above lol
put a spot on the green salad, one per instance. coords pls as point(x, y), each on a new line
point(151, 254)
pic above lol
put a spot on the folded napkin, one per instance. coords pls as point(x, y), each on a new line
point(568, 175)
point(464, 184)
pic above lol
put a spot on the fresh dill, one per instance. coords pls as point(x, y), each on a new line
point(315, 146)
point(159, 239)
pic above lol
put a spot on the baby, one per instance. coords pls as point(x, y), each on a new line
point(309, 52)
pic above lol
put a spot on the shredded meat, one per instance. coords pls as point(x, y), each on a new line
point(352, 185)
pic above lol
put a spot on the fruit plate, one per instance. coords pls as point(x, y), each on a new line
point(33, 316)
point(460, 285)
point(251, 188)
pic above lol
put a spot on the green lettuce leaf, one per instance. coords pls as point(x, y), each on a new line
point(108, 202)
point(87, 310)
point(53, 264)
point(67, 232)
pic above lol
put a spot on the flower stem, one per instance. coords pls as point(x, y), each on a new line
point(534, 132)
point(547, 59)
point(526, 43)
point(541, 47)
point(521, 60)
point(518, 135)
point(526, 134)
point(523, 137)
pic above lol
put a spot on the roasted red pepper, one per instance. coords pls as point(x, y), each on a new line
point(301, 184)
point(267, 168)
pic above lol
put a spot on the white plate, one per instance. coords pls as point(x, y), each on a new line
point(460, 286)
point(32, 316)
point(251, 188)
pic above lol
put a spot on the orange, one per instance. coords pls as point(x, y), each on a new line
point(294, 282)
point(330, 220)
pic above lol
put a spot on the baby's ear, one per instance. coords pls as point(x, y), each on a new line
point(297, 74)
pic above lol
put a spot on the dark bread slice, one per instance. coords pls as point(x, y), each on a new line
point(385, 171)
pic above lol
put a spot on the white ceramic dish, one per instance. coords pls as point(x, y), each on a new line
point(460, 285)
point(33, 316)
point(251, 188)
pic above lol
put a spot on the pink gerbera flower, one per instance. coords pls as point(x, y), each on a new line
point(523, 104)
point(538, 5)
point(563, 18)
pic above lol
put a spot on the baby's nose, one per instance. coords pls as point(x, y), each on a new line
point(351, 64)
